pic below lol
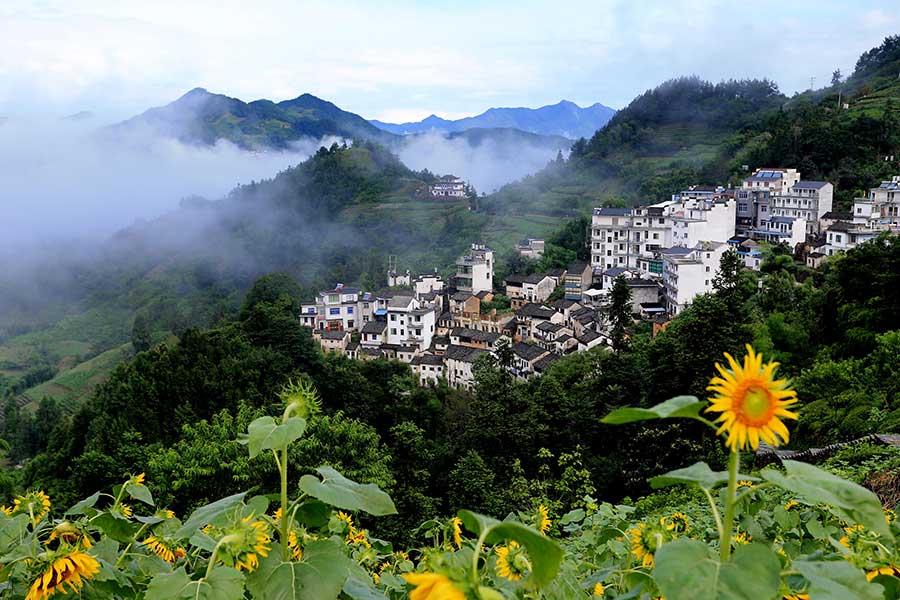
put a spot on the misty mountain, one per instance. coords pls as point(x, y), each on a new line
point(564, 119)
point(200, 117)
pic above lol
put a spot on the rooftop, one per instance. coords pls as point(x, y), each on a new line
point(614, 212)
point(810, 185)
point(528, 352)
point(335, 335)
point(400, 302)
point(376, 327)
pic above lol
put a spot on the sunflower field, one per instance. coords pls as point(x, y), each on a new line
point(784, 533)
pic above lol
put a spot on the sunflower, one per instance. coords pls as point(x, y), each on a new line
point(432, 586)
point(791, 504)
point(294, 545)
point(676, 523)
point(138, 479)
point(889, 571)
point(36, 504)
point(512, 563)
point(6, 510)
point(890, 515)
point(745, 483)
point(544, 520)
point(164, 513)
point(165, 549)
point(455, 524)
point(599, 590)
point(645, 541)
point(853, 532)
point(742, 537)
point(247, 540)
point(751, 401)
point(70, 534)
point(796, 596)
point(69, 569)
point(125, 511)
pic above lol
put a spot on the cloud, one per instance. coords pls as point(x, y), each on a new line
point(63, 181)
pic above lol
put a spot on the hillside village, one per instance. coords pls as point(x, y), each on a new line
point(667, 253)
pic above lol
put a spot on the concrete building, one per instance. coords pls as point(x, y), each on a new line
point(881, 208)
point(749, 251)
point(578, 279)
point(448, 186)
point(524, 358)
point(339, 309)
point(334, 340)
point(532, 248)
point(688, 272)
point(522, 289)
point(458, 365)
point(475, 271)
point(808, 200)
point(701, 220)
point(409, 323)
point(427, 283)
point(429, 368)
point(621, 237)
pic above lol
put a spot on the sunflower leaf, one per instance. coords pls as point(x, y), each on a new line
point(698, 473)
point(340, 492)
point(679, 406)
point(835, 580)
point(846, 499)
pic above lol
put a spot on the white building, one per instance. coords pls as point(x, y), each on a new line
point(458, 365)
point(340, 309)
point(872, 215)
point(688, 272)
point(475, 271)
point(427, 283)
point(409, 323)
point(530, 248)
point(448, 186)
point(808, 200)
point(701, 220)
point(428, 368)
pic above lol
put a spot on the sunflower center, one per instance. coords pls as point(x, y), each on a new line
point(756, 407)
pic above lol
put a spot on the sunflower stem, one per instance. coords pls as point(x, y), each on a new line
point(285, 518)
point(715, 510)
point(475, 555)
point(734, 463)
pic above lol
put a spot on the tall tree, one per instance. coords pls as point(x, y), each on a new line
point(619, 312)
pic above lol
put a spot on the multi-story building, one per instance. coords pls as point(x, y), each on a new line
point(688, 272)
point(522, 289)
point(621, 237)
point(409, 323)
point(843, 236)
point(530, 248)
point(808, 200)
point(342, 308)
point(426, 283)
point(754, 196)
point(448, 186)
point(459, 362)
point(475, 271)
point(881, 209)
point(701, 220)
point(578, 279)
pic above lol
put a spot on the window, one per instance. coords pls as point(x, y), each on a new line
point(418, 332)
point(393, 331)
point(350, 324)
point(334, 311)
point(349, 310)
point(365, 305)
point(393, 317)
point(333, 298)
point(707, 269)
point(655, 236)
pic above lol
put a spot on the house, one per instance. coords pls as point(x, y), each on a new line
point(428, 368)
point(475, 270)
point(807, 200)
point(564, 344)
point(546, 333)
point(522, 289)
point(532, 248)
point(449, 187)
point(427, 283)
point(566, 307)
point(334, 340)
point(473, 338)
point(688, 272)
point(842, 236)
point(465, 304)
point(589, 339)
point(458, 365)
point(542, 364)
point(643, 291)
point(524, 358)
point(373, 334)
point(748, 250)
point(579, 276)
point(531, 315)
point(339, 309)
point(584, 319)
point(814, 260)
point(409, 323)
point(309, 314)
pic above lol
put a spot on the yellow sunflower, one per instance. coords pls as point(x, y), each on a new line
point(247, 541)
point(745, 483)
point(138, 479)
point(751, 402)
point(294, 545)
point(791, 504)
point(432, 586)
point(35, 504)
point(599, 590)
point(742, 537)
point(544, 521)
point(644, 543)
point(889, 571)
point(676, 523)
point(512, 563)
point(165, 549)
point(71, 534)
point(455, 524)
point(796, 596)
point(67, 570)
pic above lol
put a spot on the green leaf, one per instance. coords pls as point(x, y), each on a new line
point(688, 570)
point(837, 580)
point(679, 406)
point(116, 527)
point(340, 492)
point(546, 555)
point(222, 584)
point(319, 576)
point(313, 513)
point(698, 473)
point(753, 572)
point(140, 492)
point(265, 434)
point(12, 529)
point(359, 588)
point(846, 499)
point(81, 507)
point(208, 513)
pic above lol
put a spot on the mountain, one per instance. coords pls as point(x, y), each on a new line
point(200, 117)
point(565, 119)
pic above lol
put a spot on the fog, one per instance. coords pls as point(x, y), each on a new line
point(487, 165)
point(62, 180)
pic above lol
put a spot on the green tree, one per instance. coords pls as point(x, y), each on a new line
point(619, 312)
point(141, 334)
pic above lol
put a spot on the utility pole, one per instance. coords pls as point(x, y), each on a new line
point(812, 83)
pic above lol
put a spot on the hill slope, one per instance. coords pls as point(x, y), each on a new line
point(564, 119)
point(199, 117)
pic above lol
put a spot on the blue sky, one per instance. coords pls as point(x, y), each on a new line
point(404, 60)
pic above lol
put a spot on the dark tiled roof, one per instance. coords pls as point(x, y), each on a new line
point(542, 365)
point(461, 296)
point(549, 327)
point(463, 353)
point(563, 304)
point(535, 311)
point(528, 352)
point(564, 338)
point(577, 268)
point(810, 185)
point(400, 301)
point(474, 335)
point(374, 327)
point(838, 216)
point(334, 335)
point(588, 336)
point(483, 294)
point(427, 359)
point(614, 272)
point(677, 251)
point(841, 226)
point(515, 280)
point(638, 282)
point(615, 212)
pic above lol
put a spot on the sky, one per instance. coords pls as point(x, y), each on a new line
point(403, 60)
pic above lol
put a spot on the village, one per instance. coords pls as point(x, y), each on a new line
point(667, 253)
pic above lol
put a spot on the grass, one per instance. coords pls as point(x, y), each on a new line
point(74, 385)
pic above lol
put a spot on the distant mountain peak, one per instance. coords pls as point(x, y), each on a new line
point(565, 118)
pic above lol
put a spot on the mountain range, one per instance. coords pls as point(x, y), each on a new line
point(565, 119)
